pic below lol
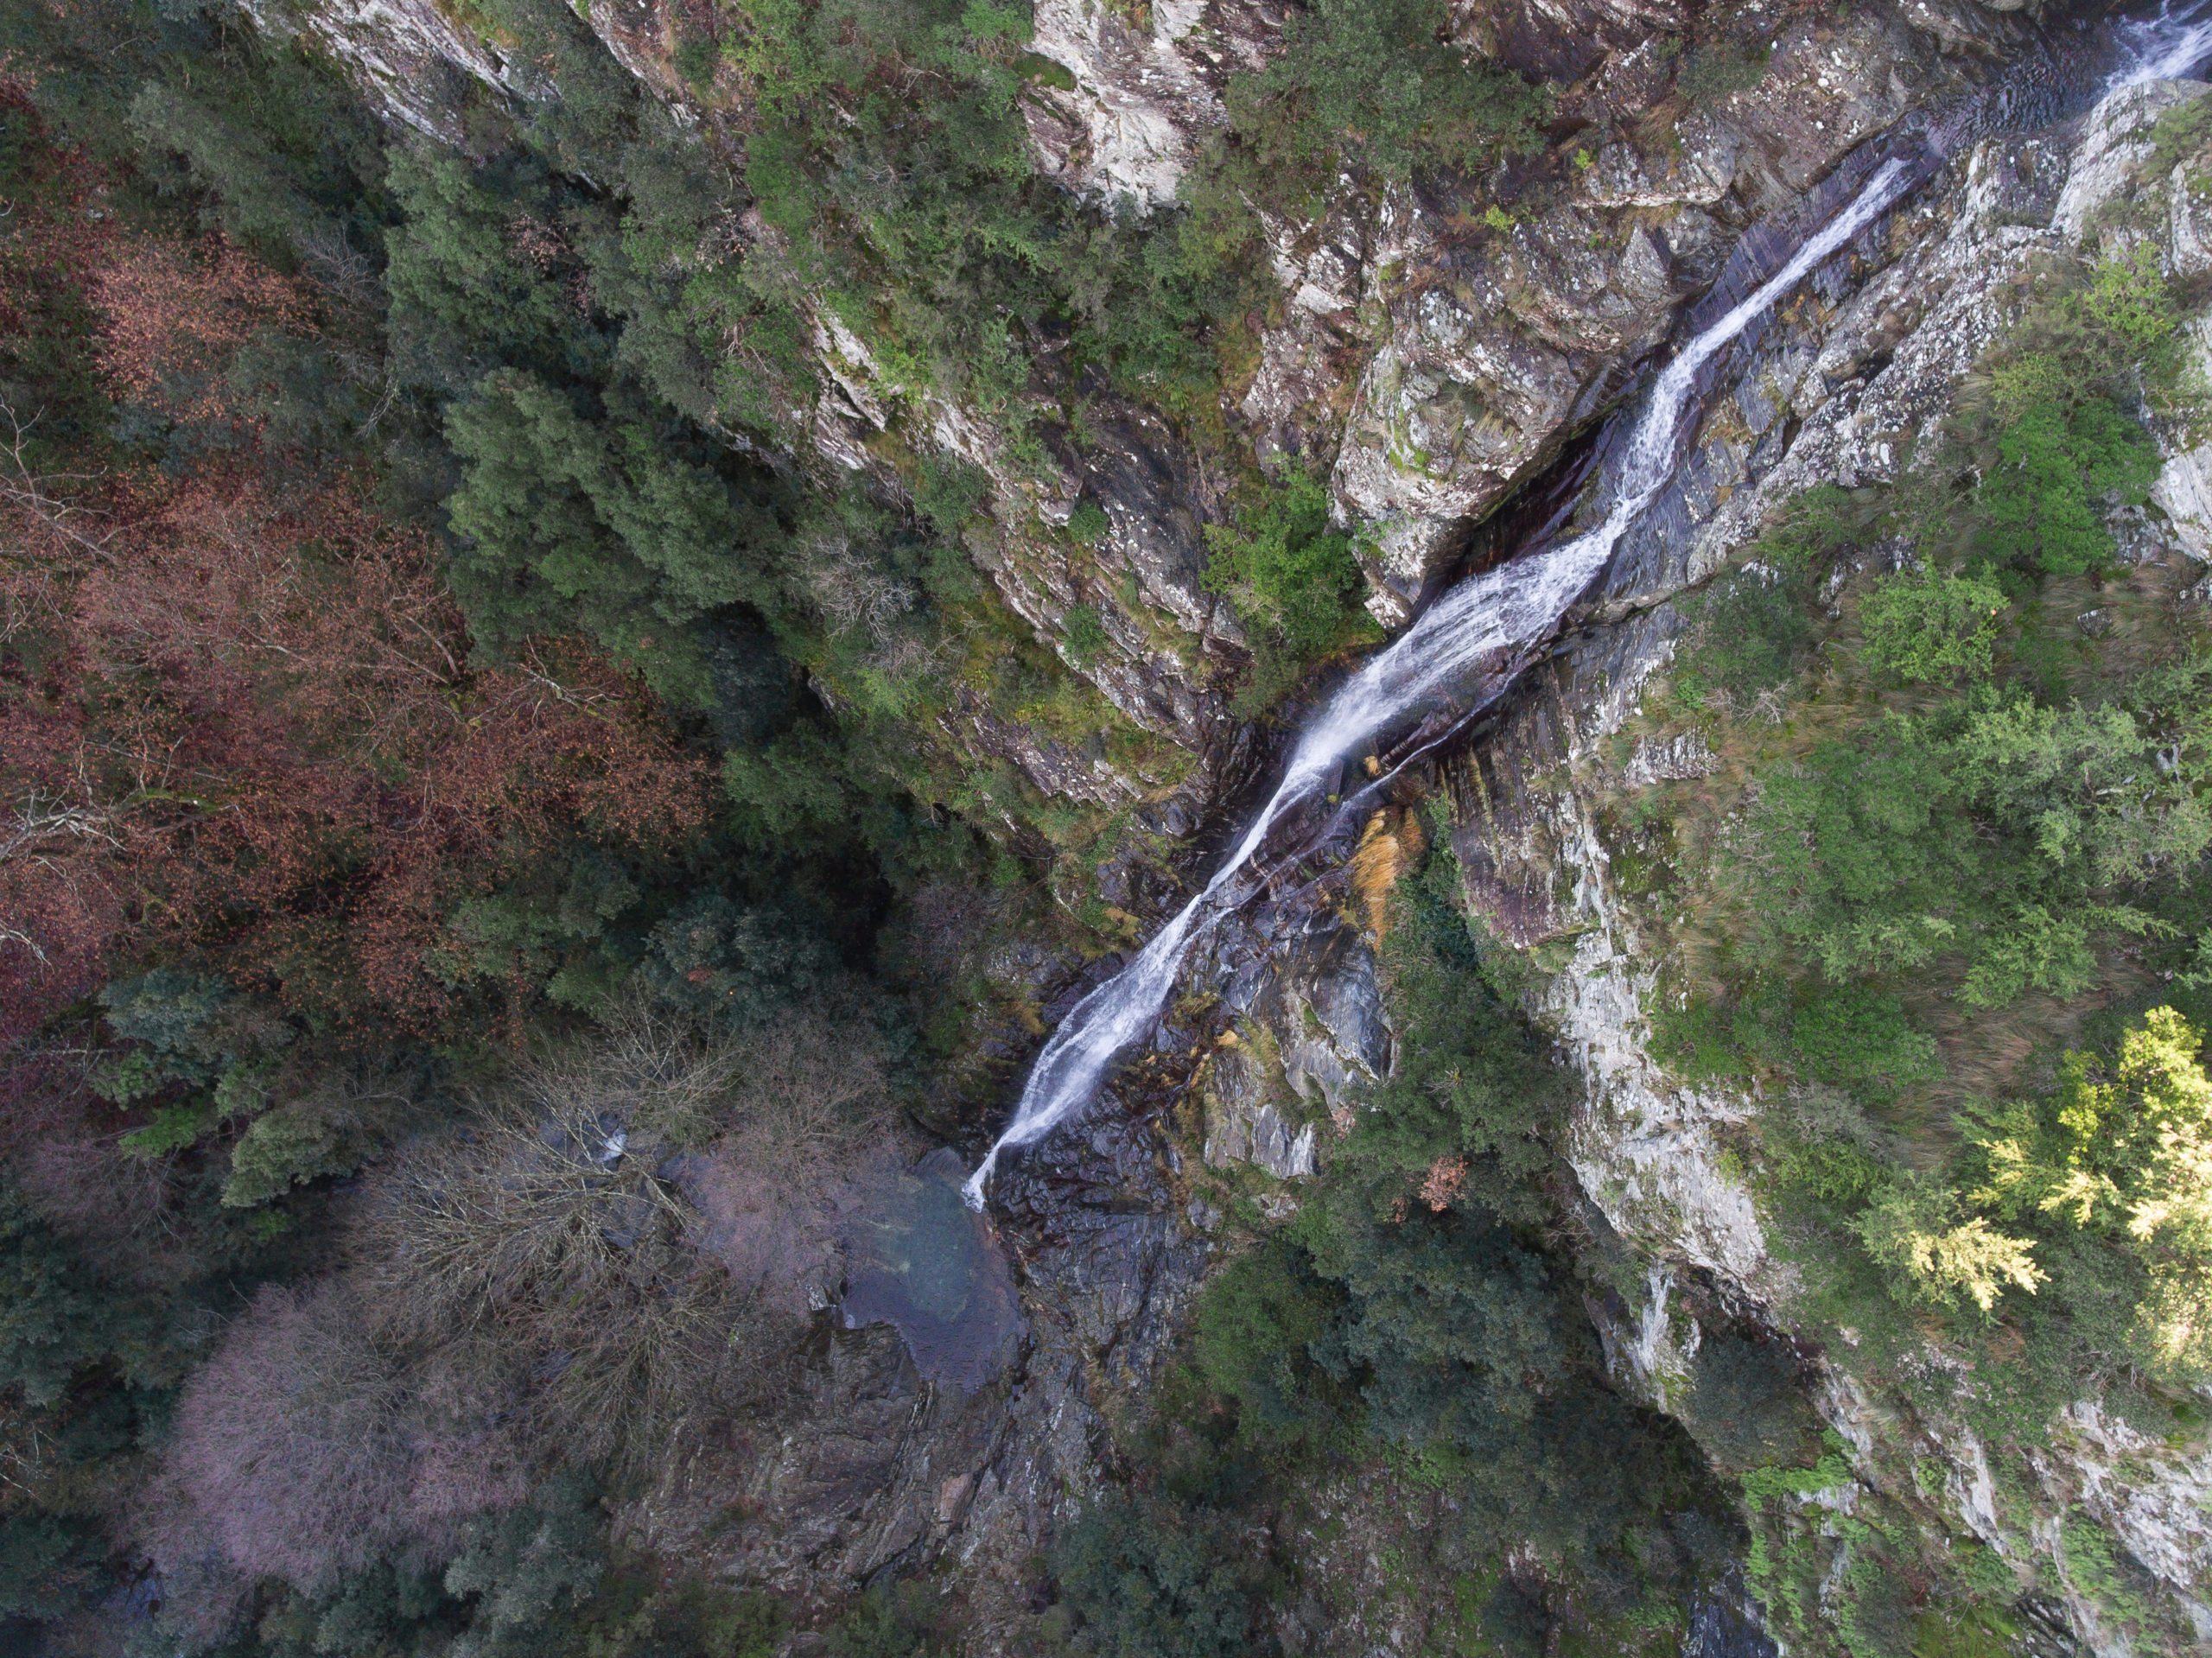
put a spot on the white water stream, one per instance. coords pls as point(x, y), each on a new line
point(1512, 604)
point(2167, 43)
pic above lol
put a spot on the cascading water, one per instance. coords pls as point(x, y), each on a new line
point(1509, 606)
point(2169, 42)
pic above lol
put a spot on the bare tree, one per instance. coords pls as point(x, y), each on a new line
point(290, 1442)
point(855, 594)
point(556, 1230)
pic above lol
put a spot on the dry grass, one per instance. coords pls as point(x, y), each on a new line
point(1390, 845)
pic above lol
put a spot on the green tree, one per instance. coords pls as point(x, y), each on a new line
point(2124, 1154)
point(526, 1569)
point(1378, 79)
point(57, 1318)
point(607, 523)
point(1153, 1580)
point(1936, 1256)
point(1255, 1328)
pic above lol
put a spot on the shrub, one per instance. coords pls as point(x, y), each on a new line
point(2037, 507)
point(1747, 1406)
point(1287, 570)
point(1748, 630)
point(1931, 625)
point(1089, 523)
point(2179, 135)
point(895, 1621)
point(1990, 825)
point(1086, 634)
point(1722, 69)
point(1859, 1039)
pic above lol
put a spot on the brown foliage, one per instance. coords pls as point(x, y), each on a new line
point(237, 709)
point(1442, 1182)
point(173, 318)
point(254, 719)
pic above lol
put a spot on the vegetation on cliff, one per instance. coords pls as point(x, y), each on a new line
point(1945, 909)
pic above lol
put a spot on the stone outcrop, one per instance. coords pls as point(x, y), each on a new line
point(406, 54)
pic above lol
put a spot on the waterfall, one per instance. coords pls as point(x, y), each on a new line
point(2168, 43)
point(1512, 605)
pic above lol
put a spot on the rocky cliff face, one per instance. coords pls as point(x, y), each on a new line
point(1433, 351)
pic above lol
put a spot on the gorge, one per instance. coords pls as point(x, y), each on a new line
point(1491, 718)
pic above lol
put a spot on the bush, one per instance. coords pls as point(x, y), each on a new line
point(1991, 825)
point(1928, 627)
point(1746, 1405)
point(2039, 506)
point(1721, 69)
point(1749, 629)
point(1086, 634)
point(1749, 633)
point(1289, 572)
point(1089, 523)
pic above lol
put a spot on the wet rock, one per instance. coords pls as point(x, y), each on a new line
point(1490, 355)
point(856, 1488)
point(1499, 344)
point(1724, 1623)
